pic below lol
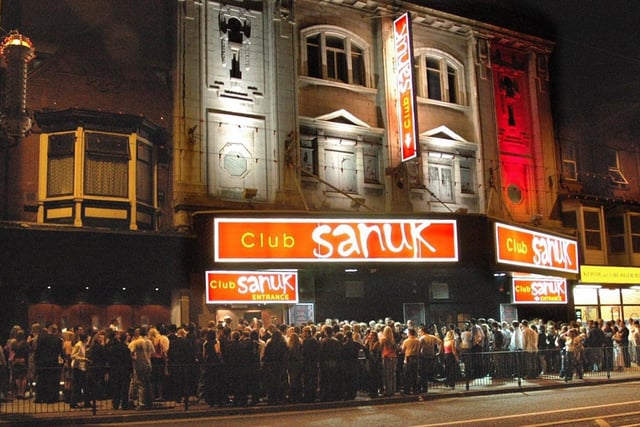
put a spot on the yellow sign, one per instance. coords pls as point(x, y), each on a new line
point(602, 274)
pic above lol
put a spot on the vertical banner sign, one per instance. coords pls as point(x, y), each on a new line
point(404, 82)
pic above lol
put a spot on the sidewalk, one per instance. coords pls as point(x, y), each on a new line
point(51, 415)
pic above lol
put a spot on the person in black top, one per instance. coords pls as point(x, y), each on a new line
point(120, 368)
point(310, 360)
point(181, 360)
point(48, 353)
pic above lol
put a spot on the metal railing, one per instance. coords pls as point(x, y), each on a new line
point(184, 386)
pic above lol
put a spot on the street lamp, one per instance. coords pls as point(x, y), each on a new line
point(17, 51)
point(15, 123)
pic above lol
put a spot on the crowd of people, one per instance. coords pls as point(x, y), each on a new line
point(243, 363)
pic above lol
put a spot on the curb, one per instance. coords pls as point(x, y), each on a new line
point(64, 419)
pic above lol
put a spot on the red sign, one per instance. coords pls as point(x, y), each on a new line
point(519, 246)
point(252, 287)
point(334, 240)
point(404, 82)
point(539, 290)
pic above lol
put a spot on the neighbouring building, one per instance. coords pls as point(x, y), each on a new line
point(599, 198)
point(86, 232)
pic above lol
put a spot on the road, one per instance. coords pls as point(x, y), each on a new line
point(601, 405)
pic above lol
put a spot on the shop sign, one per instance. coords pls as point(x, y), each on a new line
point(519, 246)
point(252, 287)
point(602, 274)
point(539, 290)
point(334, 240)
point(407, 119)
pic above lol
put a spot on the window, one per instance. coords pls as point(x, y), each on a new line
point(592, 230)
point(635, 232)
point(144, 173)
point(340, 165)
point(466, 175)
point(106, 165)
point(569, 164)
point(615, 232)
point(309, 148)
point(334, 54)
point(345, 164)
point(371, 164)
point(439, 77)
point(615, 173)
point(440, 182)
point(60, 164)
point(101, 172)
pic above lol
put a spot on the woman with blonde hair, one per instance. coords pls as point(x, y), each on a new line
point(295, 362)
point(158, 363)
point(389, 350)
point(68, 341)
point(451, 358)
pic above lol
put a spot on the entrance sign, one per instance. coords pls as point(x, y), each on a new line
point(519, 246)
point(247, 287)
point(334, 240)
point(539, 290)
point(407, 118)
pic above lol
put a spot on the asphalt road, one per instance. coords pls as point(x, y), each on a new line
point(602, 405)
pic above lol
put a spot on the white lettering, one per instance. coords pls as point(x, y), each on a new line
point(361, 239)
point(549, 252)
point(262, 283)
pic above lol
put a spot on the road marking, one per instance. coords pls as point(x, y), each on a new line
point(531, 414)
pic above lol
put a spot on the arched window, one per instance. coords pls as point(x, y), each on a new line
point(439, 76)
point(331, 53)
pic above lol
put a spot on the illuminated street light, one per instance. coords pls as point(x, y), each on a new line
point(17, 52)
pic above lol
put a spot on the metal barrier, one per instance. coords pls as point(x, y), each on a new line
point(182, 386)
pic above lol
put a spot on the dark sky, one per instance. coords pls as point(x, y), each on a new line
point(597, 53)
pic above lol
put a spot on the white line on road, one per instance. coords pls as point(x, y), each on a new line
point(537, 413)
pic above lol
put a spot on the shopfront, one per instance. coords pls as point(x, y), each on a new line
point(537, 267)
point(607, 292)
point(441, 268)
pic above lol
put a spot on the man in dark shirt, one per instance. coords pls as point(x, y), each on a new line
point(330, 376)
point(181, 359)
point(310, 359)
point(48, 353)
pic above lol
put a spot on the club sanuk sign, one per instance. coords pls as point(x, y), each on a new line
point(252, 287)
point(519, 246)
point(334, 240)
point(407, 118)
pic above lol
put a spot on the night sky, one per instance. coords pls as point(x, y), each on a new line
point(597, 53)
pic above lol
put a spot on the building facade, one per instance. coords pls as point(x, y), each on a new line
point(288, 113)
point(599, 195)
point(247, 158)
point(86, 234)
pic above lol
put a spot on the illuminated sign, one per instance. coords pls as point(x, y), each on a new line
point(519, 246)
point(252, 287)
point(334, 240)
point(539, 290)
point(601, 274)
point(404, 83)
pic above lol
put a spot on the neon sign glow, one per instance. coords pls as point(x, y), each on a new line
point(404, 83)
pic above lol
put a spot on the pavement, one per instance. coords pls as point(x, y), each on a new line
point(27, 412)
